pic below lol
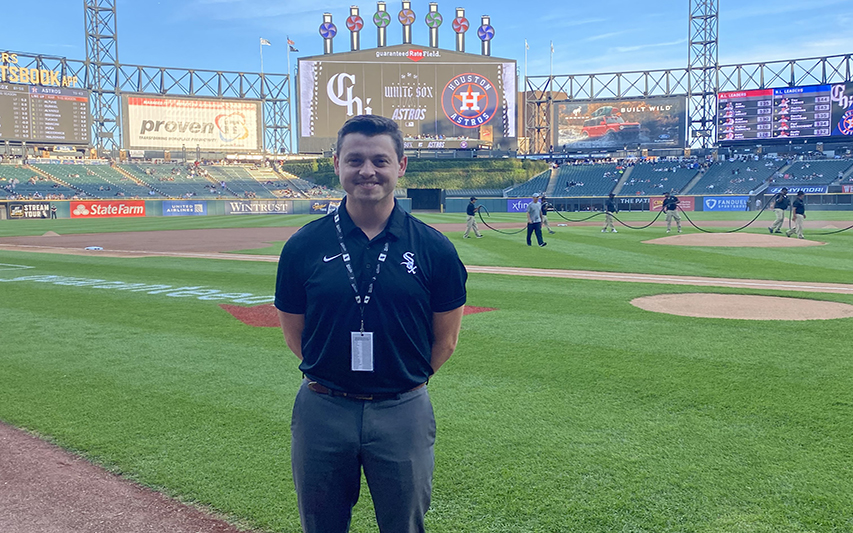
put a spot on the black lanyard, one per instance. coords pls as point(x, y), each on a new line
point(361, 301)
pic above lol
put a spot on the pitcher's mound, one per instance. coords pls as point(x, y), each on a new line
point(743, 307)
point(744, 240)
point(50, 234)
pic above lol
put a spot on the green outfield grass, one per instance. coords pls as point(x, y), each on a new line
point(566, 410)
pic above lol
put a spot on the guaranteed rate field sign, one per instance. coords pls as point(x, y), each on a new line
point(157, 123)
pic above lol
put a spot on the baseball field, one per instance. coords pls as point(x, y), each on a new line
point(564, 409)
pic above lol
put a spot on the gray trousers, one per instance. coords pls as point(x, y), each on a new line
point(780, 218)
point(333, 438)
point(471, 224)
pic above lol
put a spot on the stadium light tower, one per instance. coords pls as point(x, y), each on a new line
point(102, 68)
point(702, 62)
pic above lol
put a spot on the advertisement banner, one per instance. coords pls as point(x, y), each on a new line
point(450, 98)
point(28, 210)
point(258, 207)
point(685, 203)
point(322, 207)
point(176, 208)
point(725, 203)
point(170, 123)
point(518, 205)
point(793, 189)
point(627, 204)
point(107, 208)
point(645, 122)
point(847, 188)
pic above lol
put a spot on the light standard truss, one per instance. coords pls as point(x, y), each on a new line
point(674, 82)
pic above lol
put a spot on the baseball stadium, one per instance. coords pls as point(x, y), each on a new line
point(674, 360)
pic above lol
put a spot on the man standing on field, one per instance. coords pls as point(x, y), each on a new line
point(370, 300)
point(471, 220)
point(799, 215)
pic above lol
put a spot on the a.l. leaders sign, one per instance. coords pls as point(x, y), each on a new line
point(725, 203)
point(108, 209)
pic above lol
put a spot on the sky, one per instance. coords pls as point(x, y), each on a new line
point(588, 37)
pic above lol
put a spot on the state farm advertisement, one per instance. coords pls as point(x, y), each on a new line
point(108, 209)
point(686, 203)
point(175, 123)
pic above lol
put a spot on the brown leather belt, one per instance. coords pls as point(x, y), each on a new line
point(322, 389)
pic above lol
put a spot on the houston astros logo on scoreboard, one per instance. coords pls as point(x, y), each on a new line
point(469, 100)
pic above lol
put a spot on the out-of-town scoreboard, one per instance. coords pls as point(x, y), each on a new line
point(39, 105)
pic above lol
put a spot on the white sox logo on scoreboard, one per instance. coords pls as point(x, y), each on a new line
point(340, 91)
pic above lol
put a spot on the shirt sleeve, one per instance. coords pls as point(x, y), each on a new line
point(447, 291)
point(290, 294)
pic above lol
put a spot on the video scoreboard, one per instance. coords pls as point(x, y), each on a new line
point(784, 113)
point(34, 113)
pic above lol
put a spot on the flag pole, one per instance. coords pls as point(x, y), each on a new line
point(261, 46)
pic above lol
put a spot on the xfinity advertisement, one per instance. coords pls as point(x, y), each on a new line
point(616, 124)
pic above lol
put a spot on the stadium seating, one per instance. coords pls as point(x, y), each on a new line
point(479, 193)
point(735, 177)
point(658, 178)
point(174, 181)
point(820, 172)
point(536, 184)
point(31, 185)
point(586, 180)
point(96, 181)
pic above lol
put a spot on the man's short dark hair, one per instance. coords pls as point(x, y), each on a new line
point(784, 189)
point(371, 126)
point(801, 193)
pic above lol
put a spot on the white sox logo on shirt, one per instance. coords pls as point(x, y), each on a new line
point(409, 261)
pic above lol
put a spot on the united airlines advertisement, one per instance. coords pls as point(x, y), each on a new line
point(440, 98)
point(659, 122)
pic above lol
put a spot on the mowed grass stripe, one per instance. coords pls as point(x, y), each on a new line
point(566, 410)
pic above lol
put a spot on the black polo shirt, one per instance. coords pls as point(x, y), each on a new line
point(799, 206)
point(781, 202)
point(471, 209)
point(671, 203)
point(421, 275)
point(610, 206)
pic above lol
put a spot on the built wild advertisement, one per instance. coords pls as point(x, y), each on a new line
point(659, 122)
point(440, 98)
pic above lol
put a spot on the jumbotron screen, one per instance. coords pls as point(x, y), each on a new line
point(33, 113)
point(441, 99)
point(658, 122)
point(785, 113)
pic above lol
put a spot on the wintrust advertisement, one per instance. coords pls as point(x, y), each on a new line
point(108, 209)
point(157, 123)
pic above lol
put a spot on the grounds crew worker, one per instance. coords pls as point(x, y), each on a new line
point(609, 209)
point(781, 202)
point(545, 208)
point(370, 300)
point(471, 221)
point(670, 207)
point(799, 215)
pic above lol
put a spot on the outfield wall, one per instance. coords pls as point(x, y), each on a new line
point(814, 202)
point(82, 209)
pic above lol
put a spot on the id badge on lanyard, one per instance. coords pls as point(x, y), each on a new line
point(361, 342)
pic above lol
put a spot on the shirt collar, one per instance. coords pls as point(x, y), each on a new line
point(394, 226)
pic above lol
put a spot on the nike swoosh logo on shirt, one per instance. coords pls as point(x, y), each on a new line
point(326, 259)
